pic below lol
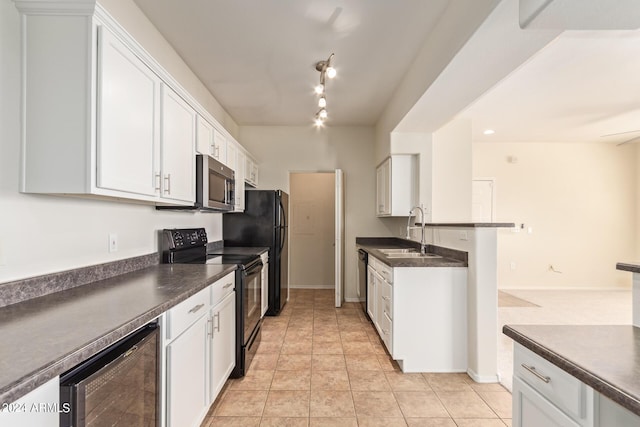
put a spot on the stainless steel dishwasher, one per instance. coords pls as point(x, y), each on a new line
point(362, 278)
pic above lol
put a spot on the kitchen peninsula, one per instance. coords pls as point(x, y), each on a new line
point(574, 375)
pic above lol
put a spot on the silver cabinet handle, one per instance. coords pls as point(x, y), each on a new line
point(227, 285)
point(157, 182)
point(210, 331)
point(167, 180)
point(217, 315)
point(541, 377)
point(196, 308)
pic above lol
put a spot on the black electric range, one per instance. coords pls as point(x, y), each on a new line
point(189, 246)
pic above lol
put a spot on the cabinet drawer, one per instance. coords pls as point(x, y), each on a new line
point(383, 269)
point(386, 272)
point(187, 312)
point(222, 288)
point(565, 391)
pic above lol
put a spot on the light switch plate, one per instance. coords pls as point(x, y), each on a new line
point(113, 242)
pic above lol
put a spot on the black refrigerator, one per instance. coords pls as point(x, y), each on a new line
point(264, 223)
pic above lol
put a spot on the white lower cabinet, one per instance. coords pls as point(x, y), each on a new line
point(371, 293)
point(222, 343)
point(199, 352)
point(420, 314)
point(545, 395)
point(186, 376)
point(39, 407)
point(533, 410)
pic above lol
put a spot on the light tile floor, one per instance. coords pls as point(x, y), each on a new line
point(322, 366)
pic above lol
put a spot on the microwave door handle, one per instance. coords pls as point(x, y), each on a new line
point(226, 192)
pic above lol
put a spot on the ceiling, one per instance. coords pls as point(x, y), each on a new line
point(583, 85)
point(258, 58)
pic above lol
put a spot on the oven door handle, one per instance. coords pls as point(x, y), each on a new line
point(255, 269)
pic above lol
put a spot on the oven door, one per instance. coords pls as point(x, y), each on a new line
point(251, 297)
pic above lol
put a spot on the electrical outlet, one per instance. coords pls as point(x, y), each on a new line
point(464, 235)
point(113, 242)
point(513, 265)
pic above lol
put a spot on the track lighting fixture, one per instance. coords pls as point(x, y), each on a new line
point(326, 71)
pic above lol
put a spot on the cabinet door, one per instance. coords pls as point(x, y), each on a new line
point(20, 413)
point(530, 409)
point(186, 376)
point(232, 156)
point(240, 174)
point(219, 147)
point(371, 294)
point(379, 319)
point(127, 122)
point(223, 343)
point(178, 141)
point(204, 137)
point(383, 188)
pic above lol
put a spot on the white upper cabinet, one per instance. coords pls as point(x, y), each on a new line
point(127, 135)
point(397, 185)
point(240, 181)
point(251, 172)
point(178, 139)
point(204, 136)
point(101, 117)
point(219, 147)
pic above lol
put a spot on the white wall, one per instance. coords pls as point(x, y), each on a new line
point(579, 200)
point(284, 149)
point(451, 173)
point(42, 234)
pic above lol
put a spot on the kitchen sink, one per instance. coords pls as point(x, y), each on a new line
point(412, 255)
point(397, 250)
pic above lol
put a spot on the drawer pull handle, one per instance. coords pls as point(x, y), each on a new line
point(196, 308)
point(227, 285)
point(541, 377)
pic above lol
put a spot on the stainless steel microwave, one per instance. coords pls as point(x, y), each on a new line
point(215, 184)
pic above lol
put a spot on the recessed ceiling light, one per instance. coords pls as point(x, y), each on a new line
point(489, 132)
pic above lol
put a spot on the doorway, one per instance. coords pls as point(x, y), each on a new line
point(312, 229)
point(483, 200)
point(316, 232)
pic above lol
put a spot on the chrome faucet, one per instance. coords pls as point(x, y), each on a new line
point(423, 245)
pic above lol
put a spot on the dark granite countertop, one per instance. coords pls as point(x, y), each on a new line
point(605, 357)
point(633, 267)
point(45, 336)
point(450, 257)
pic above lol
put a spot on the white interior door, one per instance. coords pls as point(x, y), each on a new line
point(483, 200)
point(339, 237)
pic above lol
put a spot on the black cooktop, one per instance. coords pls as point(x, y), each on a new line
point(189, 246)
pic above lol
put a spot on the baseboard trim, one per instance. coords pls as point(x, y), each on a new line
point(483, 378)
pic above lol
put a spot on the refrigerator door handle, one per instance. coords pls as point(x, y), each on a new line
point(282, 225)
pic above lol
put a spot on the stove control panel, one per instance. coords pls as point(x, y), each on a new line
point(183, 238)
